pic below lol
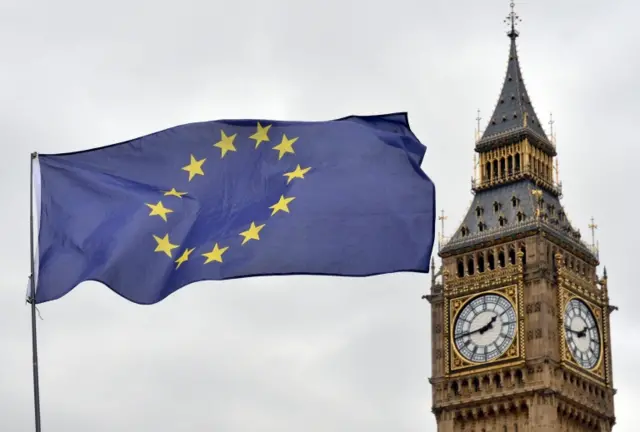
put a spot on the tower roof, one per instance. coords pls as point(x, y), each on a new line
point(511, 210)
point(523, 202)
point(514, 116)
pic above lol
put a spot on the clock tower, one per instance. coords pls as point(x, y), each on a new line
point(520, 318)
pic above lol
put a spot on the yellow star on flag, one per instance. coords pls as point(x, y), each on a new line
point(252, 233)
point(285, 146)
point(164, 245)
point(175, 193)
point(159, 210)
point(261, 134)
point(184, 257)
point(297, 173)
point(215, 254)
point(194, 167)
point(282, 205)
point(226, 143)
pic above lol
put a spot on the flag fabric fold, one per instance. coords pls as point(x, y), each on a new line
point(234, 198)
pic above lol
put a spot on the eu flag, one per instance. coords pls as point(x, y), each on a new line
point(234, 198)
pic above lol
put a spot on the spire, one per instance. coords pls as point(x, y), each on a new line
point(514, 114)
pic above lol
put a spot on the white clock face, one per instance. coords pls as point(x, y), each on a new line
point(582, 334)
point(485, 328)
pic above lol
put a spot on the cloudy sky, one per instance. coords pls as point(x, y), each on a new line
point(290, 354)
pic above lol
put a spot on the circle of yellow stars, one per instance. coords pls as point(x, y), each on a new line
point(195, 168)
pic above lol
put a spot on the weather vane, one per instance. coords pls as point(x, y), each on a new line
point(513, 19)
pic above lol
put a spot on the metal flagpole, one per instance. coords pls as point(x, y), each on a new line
point(32, 300)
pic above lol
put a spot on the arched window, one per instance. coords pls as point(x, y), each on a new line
point(512, 255)
point(460, 267)
point(517, 162)
point(519, 377)
point(491, 260)
point(501, 259)
point(510, 165)
point(470, 266)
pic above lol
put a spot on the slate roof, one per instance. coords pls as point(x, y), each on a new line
point(513, 199)
point(505, 210)
point(508, 119)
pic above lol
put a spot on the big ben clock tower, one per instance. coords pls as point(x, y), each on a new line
point(520, 317)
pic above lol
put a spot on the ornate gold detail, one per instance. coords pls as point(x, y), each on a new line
point(566, 293)
point(483, 281)
point(514, 354)
point(580, 285)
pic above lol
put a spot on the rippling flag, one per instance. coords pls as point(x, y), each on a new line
point(234, 198)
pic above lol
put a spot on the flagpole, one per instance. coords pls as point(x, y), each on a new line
point(32, 300)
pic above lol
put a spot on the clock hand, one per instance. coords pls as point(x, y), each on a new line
point(489, 325)
point(469, 333)
point(480, 330)
point(584, 331)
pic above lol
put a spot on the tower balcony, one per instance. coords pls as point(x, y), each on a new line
point(516, 175)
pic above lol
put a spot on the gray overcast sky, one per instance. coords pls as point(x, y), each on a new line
point(290, 354)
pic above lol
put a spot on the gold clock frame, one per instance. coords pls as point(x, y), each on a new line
point(598, 371)
point(456, 364)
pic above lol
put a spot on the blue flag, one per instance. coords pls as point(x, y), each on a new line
point(234, 198)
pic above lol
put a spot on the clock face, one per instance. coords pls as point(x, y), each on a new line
point(485, 328)
point(582, 334)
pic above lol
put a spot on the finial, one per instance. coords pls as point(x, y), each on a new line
point(537, 193)
point(604, 273)
point(593, 227)
point(433, 272)
point(442, 218)
point(475, 167)
point(551, 122)
point(478, 118)
point(512, 19)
